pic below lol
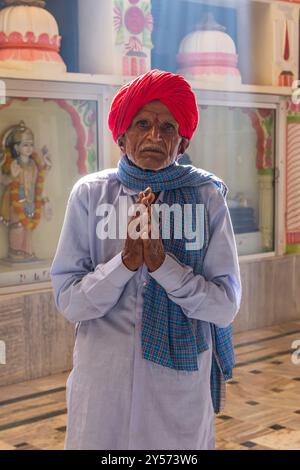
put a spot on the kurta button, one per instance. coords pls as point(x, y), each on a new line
point(144, 283)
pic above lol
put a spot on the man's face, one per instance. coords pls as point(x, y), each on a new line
point(152, 141)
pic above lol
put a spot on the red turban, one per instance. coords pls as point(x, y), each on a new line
point(172, 90)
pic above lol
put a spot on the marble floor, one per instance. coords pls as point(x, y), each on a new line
point(262, 410)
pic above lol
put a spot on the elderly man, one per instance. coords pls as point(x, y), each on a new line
point(153, 315)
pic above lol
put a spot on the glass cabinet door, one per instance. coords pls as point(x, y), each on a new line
point(46, 145)
point(238, 145)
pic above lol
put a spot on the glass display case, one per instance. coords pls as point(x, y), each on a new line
point(49, 138)
point(237, 143)
point(61, 128)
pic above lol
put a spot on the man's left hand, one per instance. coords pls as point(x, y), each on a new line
point(154, 253)
point(153, 249)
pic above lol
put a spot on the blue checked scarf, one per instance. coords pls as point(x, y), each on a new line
point(169, 337)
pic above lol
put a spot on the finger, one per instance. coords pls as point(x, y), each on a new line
point(147, 200)
point(133, 231)
point(144, 221)
point(152, 198)
point(144, 233)
point(136, 210)
point(143, 194)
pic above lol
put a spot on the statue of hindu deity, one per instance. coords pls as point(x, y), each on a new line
point(22, 203)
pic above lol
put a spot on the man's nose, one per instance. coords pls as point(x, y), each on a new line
point(155, 132)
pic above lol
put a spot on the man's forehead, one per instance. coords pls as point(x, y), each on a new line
point(156, 108)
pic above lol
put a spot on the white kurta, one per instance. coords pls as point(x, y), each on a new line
point(115, 398)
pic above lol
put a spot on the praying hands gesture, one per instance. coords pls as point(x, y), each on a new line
point(143, 249)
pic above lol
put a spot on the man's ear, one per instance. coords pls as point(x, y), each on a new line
point(121, 142)
point(183, 146)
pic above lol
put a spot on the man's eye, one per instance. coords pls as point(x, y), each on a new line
point(143, 124)
point(167, 127)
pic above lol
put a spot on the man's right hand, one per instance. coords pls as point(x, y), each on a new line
point(132, 254)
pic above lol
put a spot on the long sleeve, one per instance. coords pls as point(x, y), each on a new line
point(82, 292)
point(214, 297)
